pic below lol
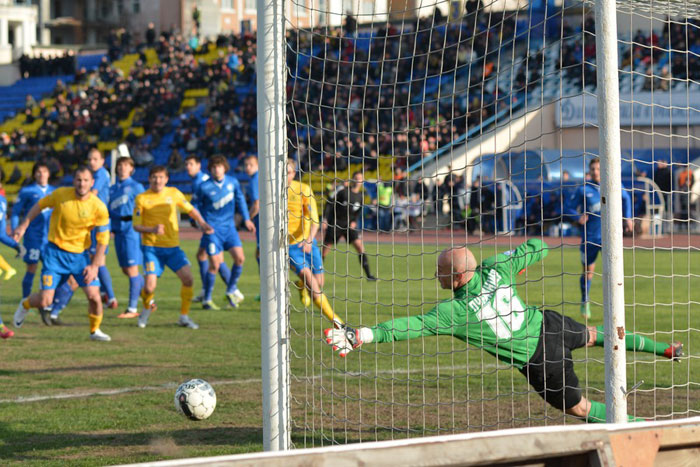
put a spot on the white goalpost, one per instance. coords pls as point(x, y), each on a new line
point(272, 149)
point(423, 125)
point(611, 211)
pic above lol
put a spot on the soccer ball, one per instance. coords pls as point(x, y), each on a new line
point(195, 399)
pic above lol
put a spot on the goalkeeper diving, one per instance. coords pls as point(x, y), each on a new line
point(487, 312)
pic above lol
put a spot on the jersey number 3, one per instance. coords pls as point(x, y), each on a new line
point(505, 314)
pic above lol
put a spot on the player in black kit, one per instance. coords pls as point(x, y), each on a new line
point(340, 220)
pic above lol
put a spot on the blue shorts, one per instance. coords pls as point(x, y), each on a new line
point(34, 247)
point(93, 243)
point(60, 264)
point(299, 260)
point(220, 241)
point(589, 253)
point(128, 248)
point(156, 258)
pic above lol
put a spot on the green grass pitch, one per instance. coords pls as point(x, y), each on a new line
point(424, 387)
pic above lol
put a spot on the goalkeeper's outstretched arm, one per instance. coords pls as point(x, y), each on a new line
point(440, 320)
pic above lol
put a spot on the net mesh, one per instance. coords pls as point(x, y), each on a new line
point(425, 125)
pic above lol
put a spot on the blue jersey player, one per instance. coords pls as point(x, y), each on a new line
point(219, 199)
point(96, 162)
point(250, 166)
point(584, 207)
point(127, 242)
point(193, 165)
point(36, 236)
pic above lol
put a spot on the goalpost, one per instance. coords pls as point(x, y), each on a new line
point(473, 123)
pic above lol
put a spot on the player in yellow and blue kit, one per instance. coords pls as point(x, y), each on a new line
point(156, 218)
point(304, 255)
point(219, 199)
point(95, 161)
point(76, 213)
point(36, 236)
point(127, 243)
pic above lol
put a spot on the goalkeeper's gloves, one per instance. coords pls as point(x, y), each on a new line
point(21, 251)
point(346, 339)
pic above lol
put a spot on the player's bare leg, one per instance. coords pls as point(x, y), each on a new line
point(234, 296)
point(325, 249)
point(186, 293)
point(148, 297)
point(39, 300)
point(318, 297)
point(92, 293)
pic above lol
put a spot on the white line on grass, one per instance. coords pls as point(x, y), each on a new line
point(160, 387)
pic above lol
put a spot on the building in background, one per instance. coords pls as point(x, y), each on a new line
point(18, 25)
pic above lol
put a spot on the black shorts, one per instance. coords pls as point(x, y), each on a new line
point(335, 233)
point(550, 371)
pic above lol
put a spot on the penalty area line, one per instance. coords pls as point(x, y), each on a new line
point(228, 382)
point(115, 392)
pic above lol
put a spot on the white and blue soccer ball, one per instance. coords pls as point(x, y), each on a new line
point(195, 399)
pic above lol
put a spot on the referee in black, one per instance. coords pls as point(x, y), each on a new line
point(340, 220)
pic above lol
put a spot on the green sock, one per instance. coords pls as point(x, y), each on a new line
point(635, 342)
point(597, 414)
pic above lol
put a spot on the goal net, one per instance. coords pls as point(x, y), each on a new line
point(431, 124)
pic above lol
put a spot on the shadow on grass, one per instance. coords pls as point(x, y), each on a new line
point(17, 443)
point(70, 369)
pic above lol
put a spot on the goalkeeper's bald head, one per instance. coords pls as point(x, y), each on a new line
point(455, 267)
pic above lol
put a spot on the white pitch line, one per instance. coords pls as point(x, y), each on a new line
point(117, 391)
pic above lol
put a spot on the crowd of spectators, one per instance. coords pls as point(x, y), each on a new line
point(400, 92)
point(91, 113)
point(670, 52)
point(53, 65)
point(355, 95)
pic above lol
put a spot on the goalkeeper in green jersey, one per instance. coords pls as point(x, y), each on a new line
point(487, 312)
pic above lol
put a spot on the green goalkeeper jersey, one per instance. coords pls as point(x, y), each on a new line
point(487, 312)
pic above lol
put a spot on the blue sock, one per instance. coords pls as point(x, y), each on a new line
point(61, 299)
point(135, 286)
point(588, 289)
point(232, 283)
point(209, 285)
point(105, 281)
point(224, 272)
point(27, 283)
point(203, 270)
point(585, 285)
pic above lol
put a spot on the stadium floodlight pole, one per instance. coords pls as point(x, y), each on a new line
point(611, 210)
point(272, 152)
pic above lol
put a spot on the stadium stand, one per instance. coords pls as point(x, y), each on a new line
point(412, 91)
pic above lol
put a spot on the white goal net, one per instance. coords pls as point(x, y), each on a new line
point(425, 125)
